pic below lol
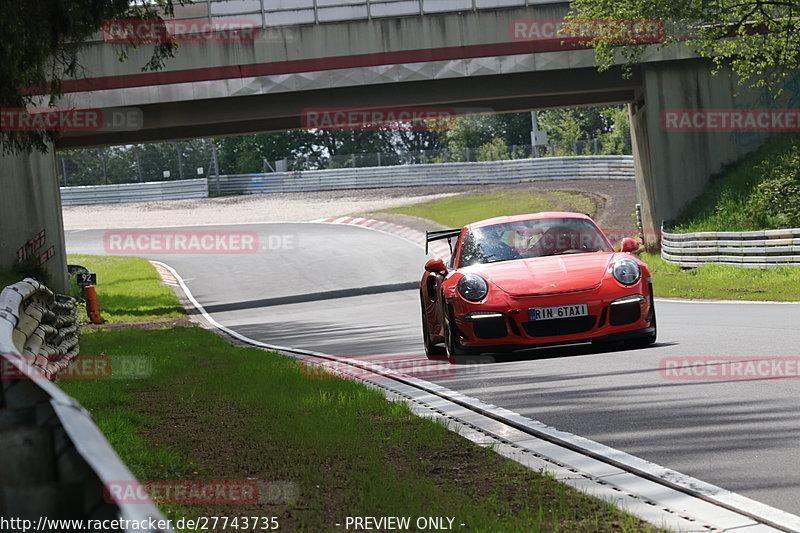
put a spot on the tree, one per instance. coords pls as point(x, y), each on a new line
point(758, 39)
point(40, 48)
point(245, 154)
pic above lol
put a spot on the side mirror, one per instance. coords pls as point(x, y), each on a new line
point(629, 245)
point(435, 265)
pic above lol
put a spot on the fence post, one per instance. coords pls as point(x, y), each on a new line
point(64, 170)
point(103, 158)
point(216, 165)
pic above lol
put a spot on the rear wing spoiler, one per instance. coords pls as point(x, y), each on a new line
point(441, 234)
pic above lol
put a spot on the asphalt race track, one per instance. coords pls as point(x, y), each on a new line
point(350, 291)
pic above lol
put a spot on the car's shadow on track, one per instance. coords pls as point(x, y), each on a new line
point(552, 352)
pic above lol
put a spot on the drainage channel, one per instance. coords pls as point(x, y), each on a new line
point(651, 492)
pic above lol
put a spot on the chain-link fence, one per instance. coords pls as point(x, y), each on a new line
point(198, 158)
point(137, 163)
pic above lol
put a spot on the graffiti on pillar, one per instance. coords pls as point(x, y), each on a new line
point(29, 252)
point(790, 98)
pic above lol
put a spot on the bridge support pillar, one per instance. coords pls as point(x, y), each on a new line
point(674, 167)
point(31, 225)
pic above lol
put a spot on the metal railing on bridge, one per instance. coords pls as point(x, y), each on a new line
point(274, 13)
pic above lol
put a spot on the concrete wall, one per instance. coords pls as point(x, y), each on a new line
point(672, 168)
point(29, 204)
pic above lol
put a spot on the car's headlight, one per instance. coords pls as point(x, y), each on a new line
point(626, 271)
point(472, 287)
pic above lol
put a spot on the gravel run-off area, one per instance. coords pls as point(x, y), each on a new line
point(615, 199)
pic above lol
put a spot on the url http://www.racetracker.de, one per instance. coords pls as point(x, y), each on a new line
point(203, 523)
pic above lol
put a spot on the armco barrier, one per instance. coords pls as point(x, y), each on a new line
point(54, 462)
point(489, 172)
point(749, 249)
point(135, 192)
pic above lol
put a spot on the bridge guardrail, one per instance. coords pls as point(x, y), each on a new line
point(55, 462)
point(135, 192)
point(272, 13)
point(749, 249)
point(490, 172)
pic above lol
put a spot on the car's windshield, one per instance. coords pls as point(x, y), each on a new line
point(531, 238)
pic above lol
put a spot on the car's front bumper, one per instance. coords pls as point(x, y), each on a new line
point(616, 314)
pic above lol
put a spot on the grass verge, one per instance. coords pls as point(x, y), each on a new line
point(208, 410)
point(350, 452)
point(723, 281)
point(129, 289)
point(457, 211)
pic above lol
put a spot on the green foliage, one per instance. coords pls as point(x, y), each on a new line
point(40, 44)
point(618, 140)
point(759, 40)
point(494, 150)
point(757, 192)
point(776, 201)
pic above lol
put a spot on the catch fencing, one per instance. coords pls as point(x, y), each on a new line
point(55, 462)
point(749, 249)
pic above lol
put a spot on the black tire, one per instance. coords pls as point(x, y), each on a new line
point(454, 349)
point(432, 351)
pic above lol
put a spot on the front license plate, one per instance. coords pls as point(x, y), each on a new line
point(557, 311)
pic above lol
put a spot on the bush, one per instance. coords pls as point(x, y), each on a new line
point(496, 150)
point(776, 200)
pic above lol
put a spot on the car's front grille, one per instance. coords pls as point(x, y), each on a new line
point(560, 326)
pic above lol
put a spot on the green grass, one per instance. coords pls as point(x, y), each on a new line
point(8, 277)
point(457, 211)
point(208, 410)
point(724, 206)
point(723, 281)
point(129, 289)
point(350, 451)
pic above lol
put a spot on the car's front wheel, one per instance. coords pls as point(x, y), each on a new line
point(454, 349)
point(432, 351)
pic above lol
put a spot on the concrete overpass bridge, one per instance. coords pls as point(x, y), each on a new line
point(462, 54)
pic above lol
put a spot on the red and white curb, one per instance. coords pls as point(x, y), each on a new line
point(436, 248)
point(167, 276)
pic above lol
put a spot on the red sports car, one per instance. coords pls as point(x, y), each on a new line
point(522, 281)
